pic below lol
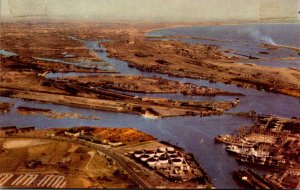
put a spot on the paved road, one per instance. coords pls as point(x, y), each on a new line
point(122, 163)
point(143, 184)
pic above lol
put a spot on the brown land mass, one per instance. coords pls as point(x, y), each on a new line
point(38, 39)
point(29, 86)
point(88, 157)
point(52, 114)
point(169, 57)
point(124, 135)
point(148, 85)
point(160, 108)
point(29, 64)
point(5, 107)
point(24, 77)
point(80, 166)
point(202, 62)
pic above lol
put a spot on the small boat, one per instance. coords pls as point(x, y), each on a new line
point(235, 149)
point(150, 116)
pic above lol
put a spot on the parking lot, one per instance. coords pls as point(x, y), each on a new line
point(27, 180)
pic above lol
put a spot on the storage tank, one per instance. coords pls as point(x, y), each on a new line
point(169, 148)
point(176, 161)
point(149, 152)
point(162, 149)
point(163, 160)
point(171, 153)
point(159, 153)
point(151, 162)
point(173, 156)
point(144, 158)
point(138, 154)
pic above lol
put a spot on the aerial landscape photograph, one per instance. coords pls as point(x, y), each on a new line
point(150, 94)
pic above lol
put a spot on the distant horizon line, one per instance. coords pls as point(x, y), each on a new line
point(132, 20)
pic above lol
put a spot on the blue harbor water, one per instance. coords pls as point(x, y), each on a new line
point(195, 134)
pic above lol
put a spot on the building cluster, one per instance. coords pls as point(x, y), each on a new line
point(273, 142)
point(289, 178)
point(11, 130)
point(168, 161)
point(87, 136)
point(277, 124)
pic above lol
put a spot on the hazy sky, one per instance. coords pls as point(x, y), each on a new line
point(177, 10)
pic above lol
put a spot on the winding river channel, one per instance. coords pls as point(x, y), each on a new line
point(195, 134)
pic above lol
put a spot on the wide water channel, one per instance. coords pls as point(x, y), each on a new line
point(195, 134)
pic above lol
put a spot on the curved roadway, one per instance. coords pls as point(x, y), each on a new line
point(142, 183)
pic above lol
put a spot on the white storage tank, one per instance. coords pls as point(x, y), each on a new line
point(149, 152)
point(159, 153)
point(144, 158)
point(173, 156)
point(176, 161)
point(169, 148)
point(163, 160)
point(151, 162)
point(172, 153)
point(138, 154)
point(162, 149)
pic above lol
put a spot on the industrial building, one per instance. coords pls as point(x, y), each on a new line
point(9, 130)
point(170, 162)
